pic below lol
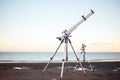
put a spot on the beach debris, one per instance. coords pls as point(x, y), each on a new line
point(86, 69)
point(20, 68)
point(17, 68)
point(117, 69)
point(80, 69)
point(54, 79)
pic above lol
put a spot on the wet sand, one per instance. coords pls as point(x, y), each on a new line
point(33, 71)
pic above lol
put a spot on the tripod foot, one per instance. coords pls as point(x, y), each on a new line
point(67, 70)
point(85, 75)
point(42, 73)
point(60, 78)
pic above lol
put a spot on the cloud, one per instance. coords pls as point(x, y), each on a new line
point(101, 44)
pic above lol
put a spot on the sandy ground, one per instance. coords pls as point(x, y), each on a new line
point(33, 71)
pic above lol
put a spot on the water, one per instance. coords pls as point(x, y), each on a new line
point(45, 56)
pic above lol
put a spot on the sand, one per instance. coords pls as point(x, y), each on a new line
point(33, 71)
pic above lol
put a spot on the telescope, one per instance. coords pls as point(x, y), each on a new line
point(65, 38)
point(66, 33)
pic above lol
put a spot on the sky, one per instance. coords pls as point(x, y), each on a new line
point(33, 25)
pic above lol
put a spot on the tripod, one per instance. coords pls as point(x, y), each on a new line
point(84, 60)
point(65, 59)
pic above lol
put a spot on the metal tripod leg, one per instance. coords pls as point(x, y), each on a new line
point(77, 58)
point(52, 57)
point(90, 66)
point(76, 67)
point(66, 53)
point(65, 59)
point(61, 75)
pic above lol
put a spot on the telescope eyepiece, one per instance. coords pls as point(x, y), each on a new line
point(58, 38)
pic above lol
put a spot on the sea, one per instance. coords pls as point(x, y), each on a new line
point(15, 57)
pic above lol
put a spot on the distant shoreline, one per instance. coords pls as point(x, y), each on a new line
point(44, 57)
point(54, 61)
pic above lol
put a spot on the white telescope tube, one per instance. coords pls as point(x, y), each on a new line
point(81, 21)
point(69, 31)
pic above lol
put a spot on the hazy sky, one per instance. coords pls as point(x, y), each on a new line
point(33, 25)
